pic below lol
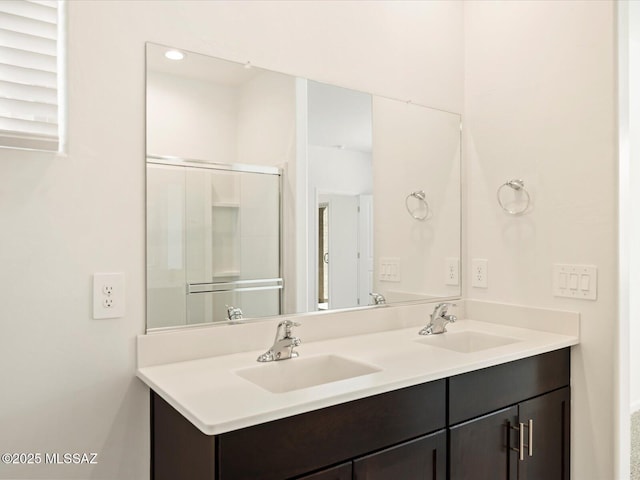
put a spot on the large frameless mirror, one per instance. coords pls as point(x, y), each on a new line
point(269, 194)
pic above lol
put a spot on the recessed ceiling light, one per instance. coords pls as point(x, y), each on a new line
point(174, 55)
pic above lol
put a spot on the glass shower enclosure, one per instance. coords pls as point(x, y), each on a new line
point(213, 242)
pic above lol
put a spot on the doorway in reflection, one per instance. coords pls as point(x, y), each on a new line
point(340, 188)
point(345, 257)
point(323, 256)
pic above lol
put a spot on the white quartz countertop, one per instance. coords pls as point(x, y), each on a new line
point(210, 394)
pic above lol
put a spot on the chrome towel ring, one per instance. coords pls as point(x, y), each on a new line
point(518, 186)
point(422, 197)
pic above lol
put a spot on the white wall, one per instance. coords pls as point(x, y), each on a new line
point(69, 385)
point(191, 118)
point(252, 123)
point(634, 228)
point(540, 92)
point(266, 120)
point(415, 148)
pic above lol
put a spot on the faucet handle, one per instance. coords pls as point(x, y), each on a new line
point(441, 308)
point(288, 327)
point(233, 313)
point(446, 304)
point(378, 298)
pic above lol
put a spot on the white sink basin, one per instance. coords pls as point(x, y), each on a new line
point(303, 372)
point(466, 342)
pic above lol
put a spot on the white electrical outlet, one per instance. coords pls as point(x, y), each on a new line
point(108, 295)
point(452, 271)
point(479, 273)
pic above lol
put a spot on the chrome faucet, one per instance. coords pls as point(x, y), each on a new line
point(378, 298)
point(233, 313)
point(283, 345)
point(439, 320)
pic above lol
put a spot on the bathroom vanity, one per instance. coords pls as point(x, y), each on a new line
point(407, 433)
point(404, 434)
point(478, 409)
point(367, 397)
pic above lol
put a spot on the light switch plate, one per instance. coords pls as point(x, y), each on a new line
point(575, 281)
point(389, 269)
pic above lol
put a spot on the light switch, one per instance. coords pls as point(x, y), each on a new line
point(562, 282)
point(389, 269)
point(575, 281)
point(584, 282)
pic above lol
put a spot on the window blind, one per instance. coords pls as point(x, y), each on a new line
point(29, 74)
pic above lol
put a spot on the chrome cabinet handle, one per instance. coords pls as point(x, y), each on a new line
point(520, 448)
point(521, 444)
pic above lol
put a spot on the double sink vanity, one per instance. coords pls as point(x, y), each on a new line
point(367, 397)
point(299, 203)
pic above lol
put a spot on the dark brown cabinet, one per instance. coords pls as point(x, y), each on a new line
point(421, 459)
point(462, 428)
point(528, 440)
point(479, 448)
point(304, 444)
point(548, 456)
point(424, 458)
point(341, 472)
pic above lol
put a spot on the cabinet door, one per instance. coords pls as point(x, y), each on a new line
point(548, 456)
point(309, 442)
point(480, 448)
point(421, 459)
point(487, 390)
point(341, 472)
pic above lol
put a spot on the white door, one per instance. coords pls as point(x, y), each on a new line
point(343, 249)
point(365, 248)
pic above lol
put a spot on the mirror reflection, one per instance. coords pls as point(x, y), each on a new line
point(269, 194)
point(340, 195)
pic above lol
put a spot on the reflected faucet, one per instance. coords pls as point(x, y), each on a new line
point(283, 345)
point(439, 320)
point(233, 313)
point(378, 298)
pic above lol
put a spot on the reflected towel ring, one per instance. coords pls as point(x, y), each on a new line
point(422, 197)
point(518, 186)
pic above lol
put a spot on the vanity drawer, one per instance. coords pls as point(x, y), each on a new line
point(479, 392)
point(302, 443)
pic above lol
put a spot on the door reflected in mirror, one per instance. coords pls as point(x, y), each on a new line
point(270, 194)
point(340, 178)
point(323, 256)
